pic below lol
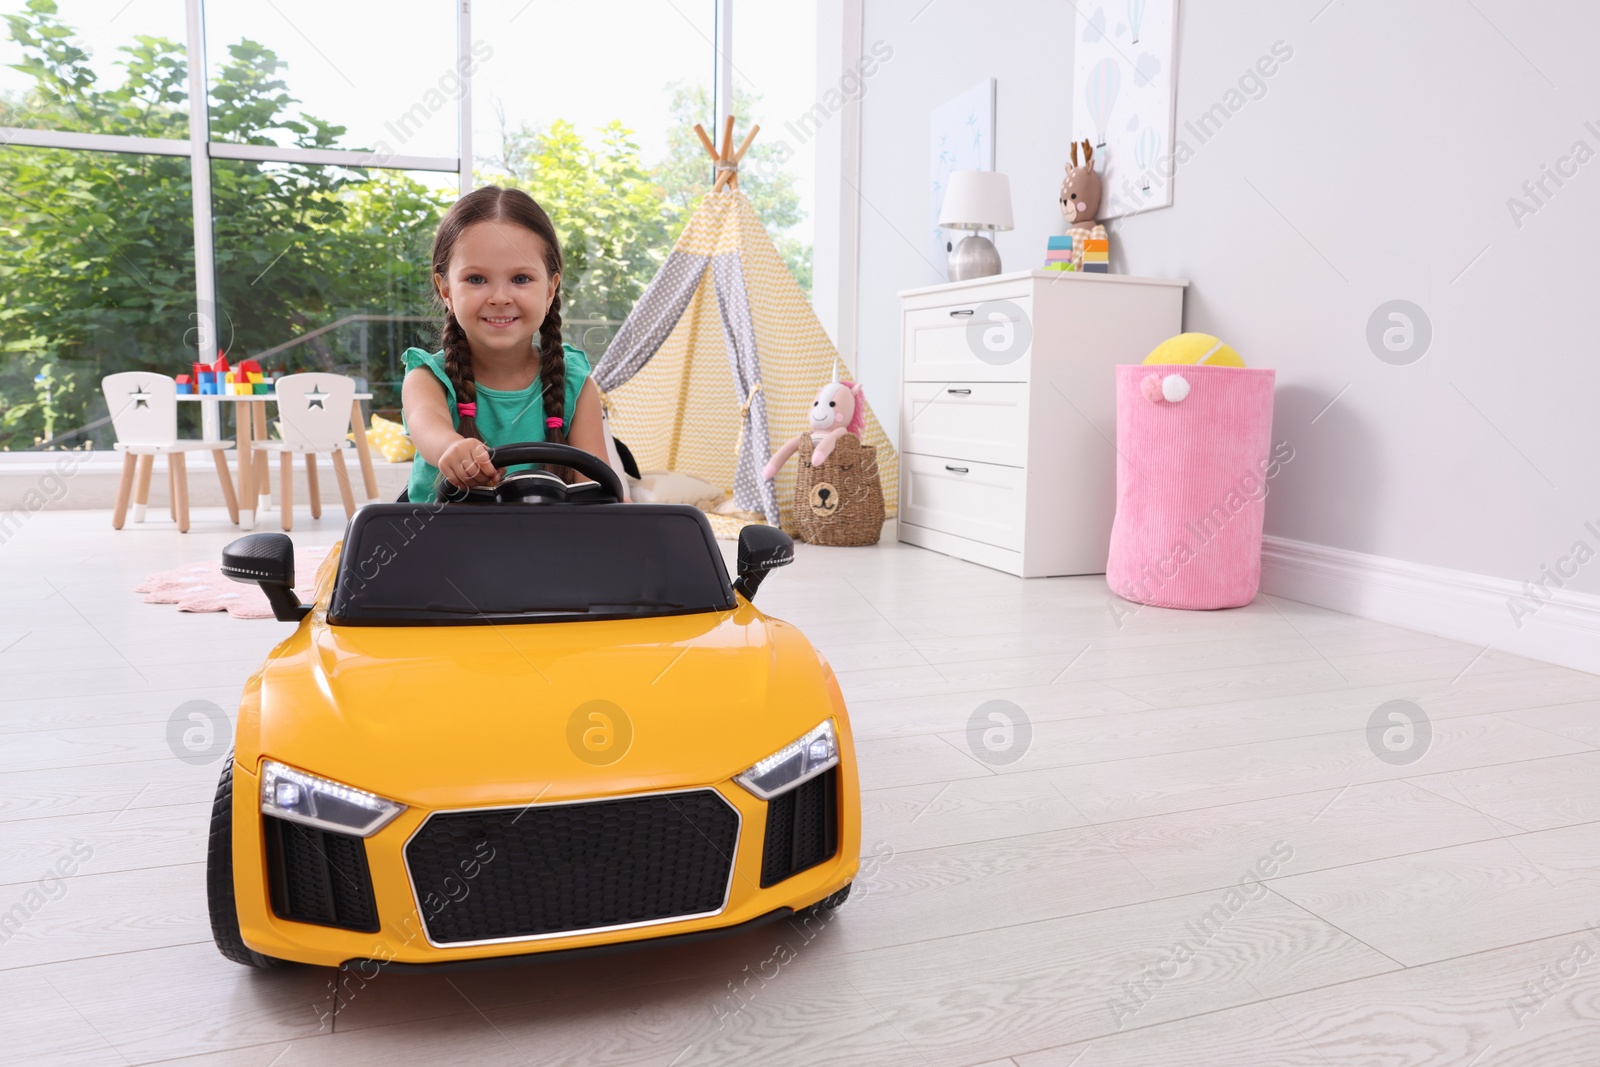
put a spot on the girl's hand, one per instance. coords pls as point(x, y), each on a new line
point(465, 463)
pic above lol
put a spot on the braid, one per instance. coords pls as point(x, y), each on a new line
point(553, 377)
point(458, 364)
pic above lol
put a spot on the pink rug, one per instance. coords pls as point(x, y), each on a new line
point(201, 587)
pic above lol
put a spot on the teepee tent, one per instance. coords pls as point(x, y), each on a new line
point(718, 362)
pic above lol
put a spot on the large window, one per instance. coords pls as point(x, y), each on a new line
point(94, 66)
point(774, 81)
point(365, 76)
point(296, 230)
point(96, 275)
point(309, 251)
point(326, 267)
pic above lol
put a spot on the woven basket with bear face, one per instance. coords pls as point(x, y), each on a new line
point(841, 502)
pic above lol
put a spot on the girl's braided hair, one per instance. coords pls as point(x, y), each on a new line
point(491, 203)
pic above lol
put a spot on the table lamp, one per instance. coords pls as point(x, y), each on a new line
point(975, 200)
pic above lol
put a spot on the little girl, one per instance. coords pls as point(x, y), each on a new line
point(503, 375)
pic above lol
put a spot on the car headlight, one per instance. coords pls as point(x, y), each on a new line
point(328, 805)
point(792, 764)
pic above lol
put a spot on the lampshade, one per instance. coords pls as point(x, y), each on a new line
point(976, 200)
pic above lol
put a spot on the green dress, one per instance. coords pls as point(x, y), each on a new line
point(504, 416)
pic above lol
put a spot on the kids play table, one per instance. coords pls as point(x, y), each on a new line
point(251, 425)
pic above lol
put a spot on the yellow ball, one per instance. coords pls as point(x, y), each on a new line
point(1195, 348)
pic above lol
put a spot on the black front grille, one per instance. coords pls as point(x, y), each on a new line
point(802, 828)
point(316, 876)
point(560, 868)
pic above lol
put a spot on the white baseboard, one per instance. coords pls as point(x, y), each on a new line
point(1475, 608)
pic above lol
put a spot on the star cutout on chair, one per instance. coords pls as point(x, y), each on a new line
point(315, 398)
point(140, 398)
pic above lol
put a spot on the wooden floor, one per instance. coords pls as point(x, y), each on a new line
point(1092, 902)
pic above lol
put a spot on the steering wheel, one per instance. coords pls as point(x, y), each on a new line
point(541, 487)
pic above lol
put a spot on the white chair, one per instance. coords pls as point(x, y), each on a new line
point(144, 413)
point(314, 419)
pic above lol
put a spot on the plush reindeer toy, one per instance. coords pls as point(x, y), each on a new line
point(1080, 203)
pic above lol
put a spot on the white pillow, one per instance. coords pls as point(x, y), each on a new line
point(672, 487)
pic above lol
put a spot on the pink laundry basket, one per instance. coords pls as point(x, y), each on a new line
point(1192, 470)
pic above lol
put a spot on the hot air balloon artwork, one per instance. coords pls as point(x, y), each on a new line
point(1135, 17)
point(1122, 101)
point(1100, 93)
point(1145, 153)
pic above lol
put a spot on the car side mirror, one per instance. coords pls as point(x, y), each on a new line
point(761, 548)
point(267, 559)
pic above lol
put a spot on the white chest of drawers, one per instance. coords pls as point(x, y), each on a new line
point(1008, 413)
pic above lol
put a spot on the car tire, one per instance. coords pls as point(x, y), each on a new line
point(833, 900)
point(219, 880)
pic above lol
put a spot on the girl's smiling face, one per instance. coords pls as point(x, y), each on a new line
point(499, 286)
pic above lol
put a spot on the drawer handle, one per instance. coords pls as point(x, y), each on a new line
point(958, 470)
point(959, 392)
point(960, 312)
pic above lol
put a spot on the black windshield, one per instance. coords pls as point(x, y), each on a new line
point(427, 564)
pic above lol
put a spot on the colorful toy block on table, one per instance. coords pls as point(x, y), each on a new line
point(185, 386)
point(262, 388)
point(1058, 253)
point(1096, 256)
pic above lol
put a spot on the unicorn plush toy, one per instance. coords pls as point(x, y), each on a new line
point(837, 410)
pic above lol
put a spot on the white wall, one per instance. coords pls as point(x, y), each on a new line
point(1376, 165)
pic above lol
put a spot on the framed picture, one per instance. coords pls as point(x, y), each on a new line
point(961, 137)
point(1122, 99)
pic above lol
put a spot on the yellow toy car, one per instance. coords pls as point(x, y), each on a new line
point(544, 722)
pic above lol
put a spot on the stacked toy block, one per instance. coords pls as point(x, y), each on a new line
point(248, 379)
point(219, 379)
point(1096, 256)
point(1059, 253)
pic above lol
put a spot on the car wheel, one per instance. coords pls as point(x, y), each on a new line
point(219, 880)
point(833, 900)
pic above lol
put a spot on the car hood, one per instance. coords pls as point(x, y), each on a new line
point(463, 715)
